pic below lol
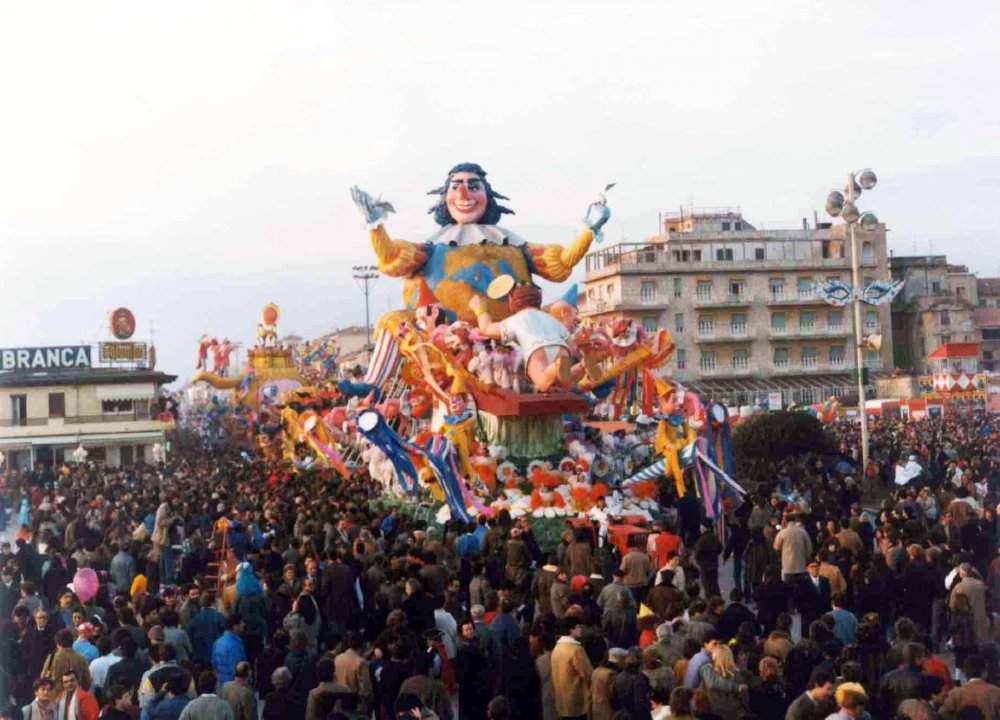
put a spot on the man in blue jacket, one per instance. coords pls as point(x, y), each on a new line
point(204, 629)
point(228, 651)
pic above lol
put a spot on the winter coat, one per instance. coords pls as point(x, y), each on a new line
point(227, 651)
point(571, 672)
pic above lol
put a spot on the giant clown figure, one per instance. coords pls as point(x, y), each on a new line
point(470, 250)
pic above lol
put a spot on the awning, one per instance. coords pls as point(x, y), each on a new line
point(75, 439)
point(951, 351)
point(126, 391)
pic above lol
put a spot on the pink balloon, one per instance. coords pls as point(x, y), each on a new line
point(85, 584)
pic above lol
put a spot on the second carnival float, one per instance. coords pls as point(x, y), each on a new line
point(482, 396)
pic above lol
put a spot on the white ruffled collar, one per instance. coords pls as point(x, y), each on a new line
point(475, 234)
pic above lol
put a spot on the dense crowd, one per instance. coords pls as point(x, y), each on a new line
point(230, 592)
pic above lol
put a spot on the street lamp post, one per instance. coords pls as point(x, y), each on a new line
point(838, 205)
point(366, 274)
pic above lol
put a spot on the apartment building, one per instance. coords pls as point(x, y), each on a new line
point(937, 306)
point(739, 303)
point(988, 322)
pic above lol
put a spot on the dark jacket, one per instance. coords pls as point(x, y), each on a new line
point(805, 708)
point(283, 705)
point(204, 629)
point(302, 665)
point(812, 601)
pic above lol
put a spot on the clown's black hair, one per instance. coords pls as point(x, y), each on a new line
point(494, 210)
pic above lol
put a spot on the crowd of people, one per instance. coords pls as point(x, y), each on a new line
point(227, 591)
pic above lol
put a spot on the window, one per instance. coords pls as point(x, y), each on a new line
point(649, 324)
point(723, 254)
point(57, 405)
point(706, 326)
point(997, 303)
point(806, 320)
point(991, 333)
point(708, 360)
point(679, 322)
point(872, 359)
point(725, 226)
point(611, 289)
point(738, 226)
point(758, 253)
point(781, 357)
point(935, 287)
point(777, 286)
point(677, 288)
point(696, 255)
point(19, 409)
point(837, 355)
point(737, 288)
point(741, 359)
point(960, 291)
point(835, 319)
point(738, 324)
point(867, 254)
point(116, 407)
point(871, 321)
point(647, 289)
point(809, 357)
point(805, 287)
point(681, 356)
point(704, 290)
point(982, 302)
point(778, 322)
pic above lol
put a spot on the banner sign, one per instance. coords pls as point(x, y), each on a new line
point(45, 358)
point(123, 351)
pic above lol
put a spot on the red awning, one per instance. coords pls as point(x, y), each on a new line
point(950, 351)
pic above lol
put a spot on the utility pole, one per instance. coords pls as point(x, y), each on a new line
point(366, 275)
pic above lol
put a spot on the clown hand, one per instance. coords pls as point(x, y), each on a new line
point(597, 215)
point(374, 210)
point(477, 304)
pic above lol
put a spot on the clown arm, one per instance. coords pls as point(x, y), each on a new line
point(396, 258)
point(555, 262)
point(487, 327)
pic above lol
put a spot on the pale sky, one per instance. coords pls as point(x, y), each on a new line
point(192, 160)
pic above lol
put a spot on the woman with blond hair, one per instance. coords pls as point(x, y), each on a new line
point(726, 685)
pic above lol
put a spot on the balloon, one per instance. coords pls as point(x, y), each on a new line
point(85, 584)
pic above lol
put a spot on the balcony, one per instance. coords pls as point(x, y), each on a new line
point(807, 367)
point(792, 297)
point(810, 330)
point(628, 301)
point(739, 332)
point(787, 250)
point(703, 299)
point(726, 370)
point(134, 421)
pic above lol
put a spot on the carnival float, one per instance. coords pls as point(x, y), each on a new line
point(480, 396)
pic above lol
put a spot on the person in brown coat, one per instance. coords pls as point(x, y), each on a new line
point(571, 674)
point(65, 659)
point(975, 591)
point(541, 586)
point(976, 692)
point(579, 558)
point(601, 684)
point(637, 566)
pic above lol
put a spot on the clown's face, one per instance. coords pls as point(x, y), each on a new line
point(466, 198)
point(427, 317)
point(669, 404)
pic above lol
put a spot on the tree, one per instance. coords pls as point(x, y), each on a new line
point(763, 441)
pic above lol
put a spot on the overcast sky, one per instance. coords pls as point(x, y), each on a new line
point(191, 160)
